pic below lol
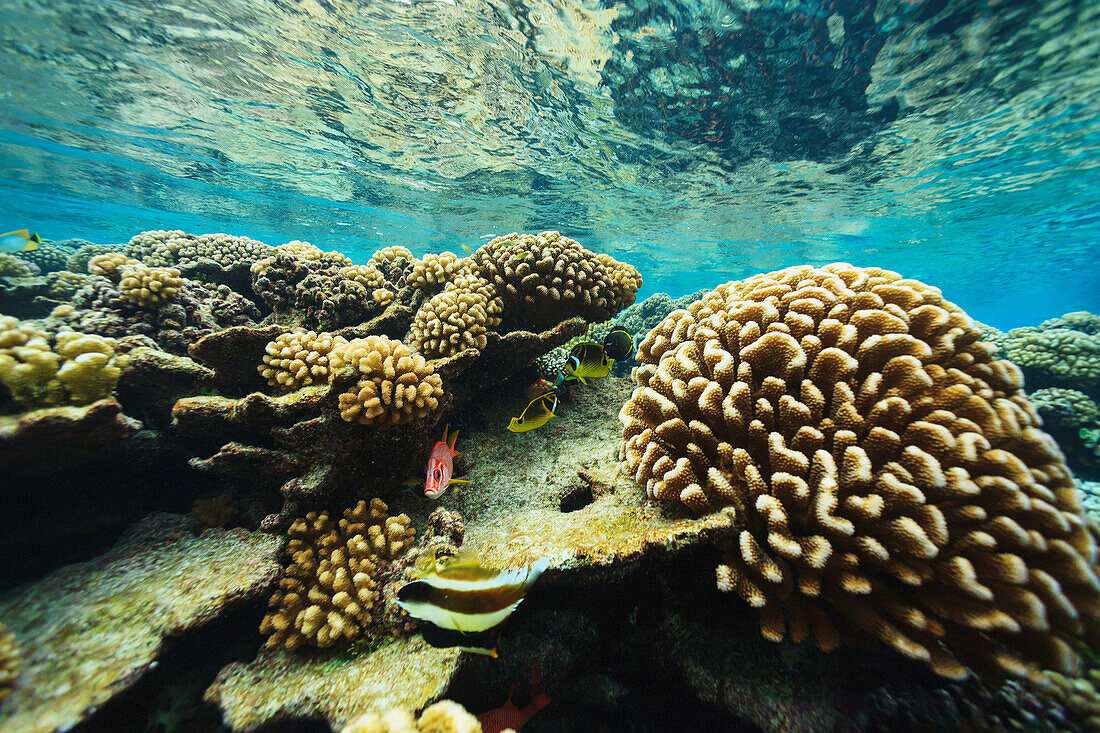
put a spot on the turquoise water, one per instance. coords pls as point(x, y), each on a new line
point(955, 142)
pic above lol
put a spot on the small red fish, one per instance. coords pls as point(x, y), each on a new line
point(508, 715)
point(440, 466)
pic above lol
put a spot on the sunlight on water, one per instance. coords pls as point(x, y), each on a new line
point(956, 142)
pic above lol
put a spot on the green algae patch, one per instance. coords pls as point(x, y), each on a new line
point(90, 630)
point(280, 685)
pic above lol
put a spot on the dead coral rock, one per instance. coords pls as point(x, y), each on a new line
point(62, 435)
point(91, 630)
point(234, 353)
point(218, 420)
point(281, 685)
point(152, 381)
point(886, 477)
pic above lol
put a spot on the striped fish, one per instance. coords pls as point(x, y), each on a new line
point(587, 360)
point(460, 595)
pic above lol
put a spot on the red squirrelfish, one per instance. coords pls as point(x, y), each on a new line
point(440, 466)
point(508, 715)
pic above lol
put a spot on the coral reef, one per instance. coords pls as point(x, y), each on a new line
point(78, 260)
point(109, 265)
point(445, 716)
point(1063, 408)
point(9, 662)
point(298, 359)
point(14, 267)
point(394, 385)
point(176, 248)
point(1060, 352)
point(451, 322)
point(643, 317)
point(882, 475)
point(75, 369)
point(47, 257)
point(149, 287)
point(545, 278)
point(88, 631)
point(328, 591)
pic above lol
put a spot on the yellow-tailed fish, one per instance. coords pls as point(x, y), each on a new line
point(459, 594)
point(588, 361)
point(618, 344)
point(537, 412)
point(19, 241)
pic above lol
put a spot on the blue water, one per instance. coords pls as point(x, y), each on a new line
point(955, 142)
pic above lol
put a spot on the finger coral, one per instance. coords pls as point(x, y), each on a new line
point(108, 265)
point(882, 474)
point(450, 322)
point(76, 369)
point(394, 387)
point(433, 271)
point(9, 662)
point(298, 359)
point(546, 278)
point(328, 591)
point(149, 287)
point(445, 716)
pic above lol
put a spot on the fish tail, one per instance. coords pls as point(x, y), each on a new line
point(454, 439)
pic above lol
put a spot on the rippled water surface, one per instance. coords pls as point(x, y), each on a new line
point(957, 142)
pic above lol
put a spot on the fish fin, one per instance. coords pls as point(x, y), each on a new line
point(18, 233)
point(454, 439)
point(36, 239)
point(445, 429)
point(30, 245)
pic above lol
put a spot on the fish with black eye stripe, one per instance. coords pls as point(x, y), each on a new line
point(464, 603)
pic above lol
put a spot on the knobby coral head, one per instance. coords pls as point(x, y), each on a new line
point(883, 474)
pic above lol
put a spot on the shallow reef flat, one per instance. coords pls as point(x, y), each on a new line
point(814, 499)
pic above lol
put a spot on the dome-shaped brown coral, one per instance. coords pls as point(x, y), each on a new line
point(883, 475)
point(150, 287)
point(298, 359)
point(546, 278)
point(395, 385)
point(327, 593)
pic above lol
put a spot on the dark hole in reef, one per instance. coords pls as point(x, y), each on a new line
point(578, 498)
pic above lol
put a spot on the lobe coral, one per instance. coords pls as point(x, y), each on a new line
point(883, 475)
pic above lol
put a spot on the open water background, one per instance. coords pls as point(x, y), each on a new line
point(956, 142)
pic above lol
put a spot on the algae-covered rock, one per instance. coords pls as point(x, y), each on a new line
point(90, 630)
point(278, 685)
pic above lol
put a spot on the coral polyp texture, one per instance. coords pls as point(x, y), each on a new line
point(9, 662)
point(1060, 352)
point(149, 287)
point(298, 359)
point(433, 271)
point(328, 591)
point(452, 321)
point(883, 475)
point(67, 368)
point(545, 278)
point(174, 247)
point(394, 386)
point(108, 265)
point(445, 716)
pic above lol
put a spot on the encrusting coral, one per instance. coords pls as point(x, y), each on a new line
point(328, 591)
point(76, 369)
point(298, 359)
point(394, 387)
point(882, 474)
point(445, 716)
point(149, 287)
point(9, 662)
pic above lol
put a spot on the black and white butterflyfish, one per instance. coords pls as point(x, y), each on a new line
point(587, 360)
point(464, 602)
point(618, 344)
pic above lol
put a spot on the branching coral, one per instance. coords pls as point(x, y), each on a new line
point(394, 387)
point(883, 475)
point(149, 287)
point(77, 369)
point(9, 662)
point(432, 272)
point(109, 265)
point(546, 278)
point(445, 716)
point(174, 247)
point(450, 322)
point(328, 591)
point(298, 359)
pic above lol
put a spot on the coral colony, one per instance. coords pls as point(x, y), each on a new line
point(847, 456)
